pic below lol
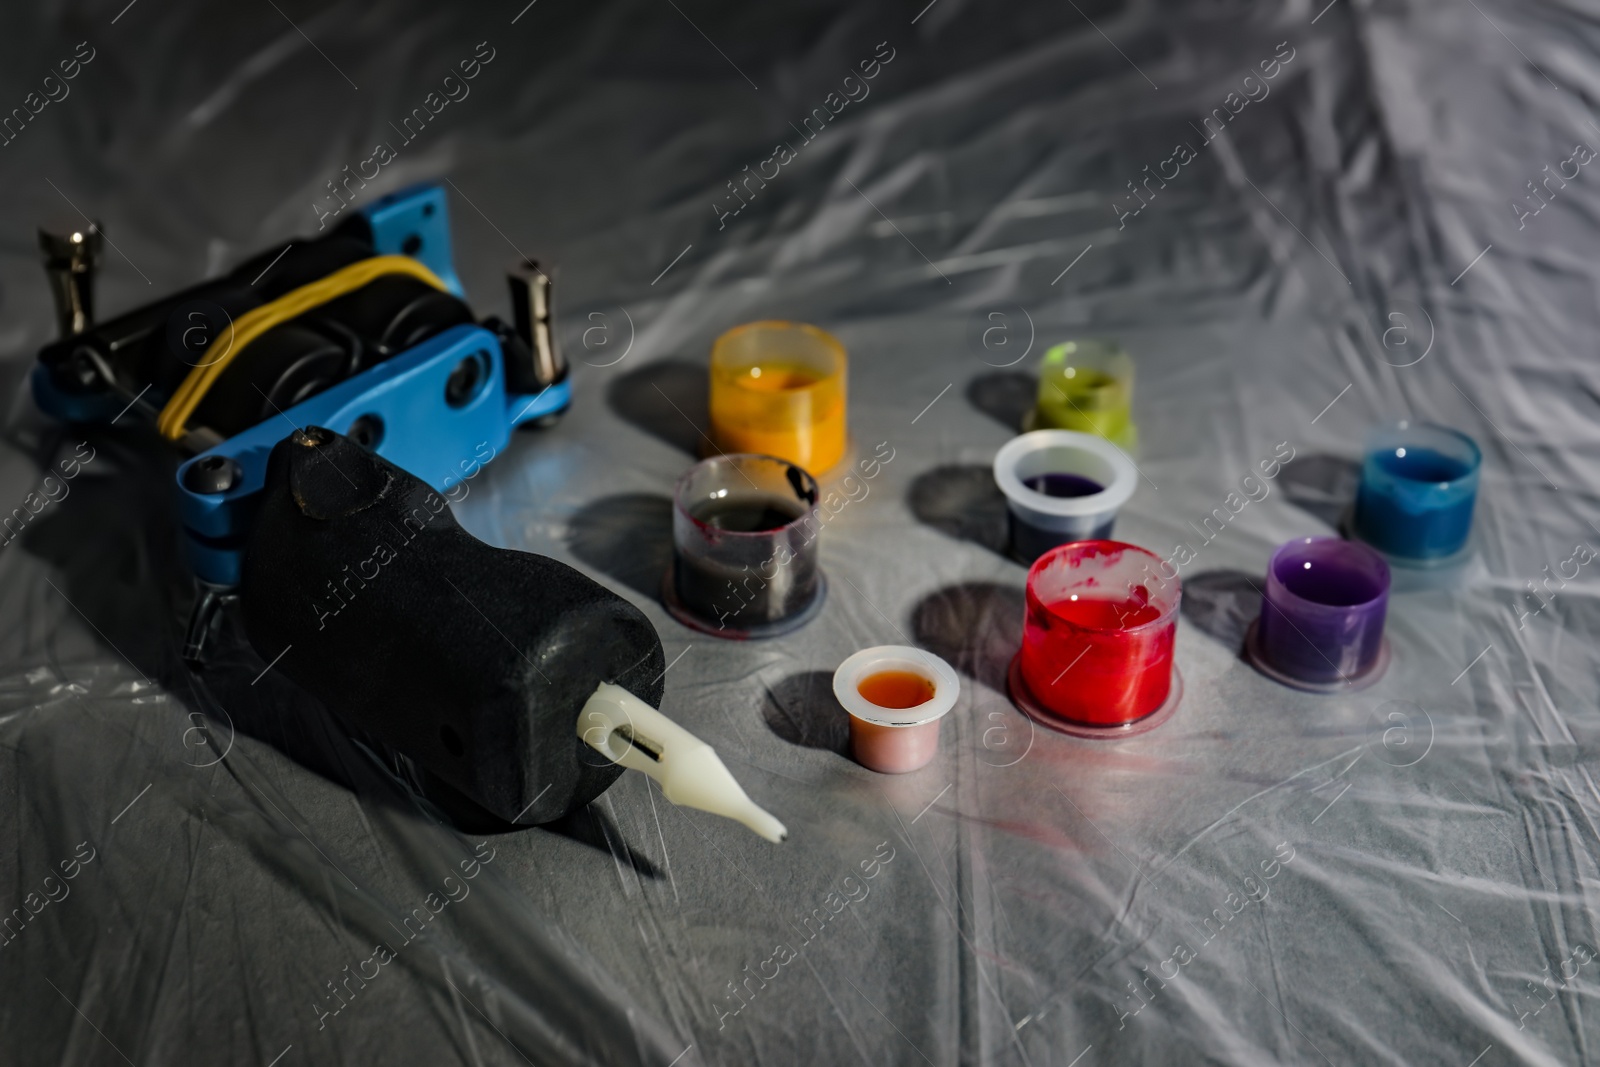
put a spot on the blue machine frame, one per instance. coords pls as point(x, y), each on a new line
point(419, 431)
point(415, 222)
point(404, 397)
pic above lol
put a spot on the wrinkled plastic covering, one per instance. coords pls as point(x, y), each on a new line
point(1402, 875)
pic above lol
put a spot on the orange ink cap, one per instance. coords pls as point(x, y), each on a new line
point(778, 388)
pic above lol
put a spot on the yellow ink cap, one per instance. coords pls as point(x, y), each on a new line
point(1087, 386)
point(778, 389)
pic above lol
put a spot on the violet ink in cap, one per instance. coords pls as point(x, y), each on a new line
point(1322, 615)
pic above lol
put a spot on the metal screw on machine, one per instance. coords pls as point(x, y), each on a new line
point(534, 314)
point(213, 474)
point(70, 260)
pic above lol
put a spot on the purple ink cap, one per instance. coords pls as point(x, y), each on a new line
point(1322, 614)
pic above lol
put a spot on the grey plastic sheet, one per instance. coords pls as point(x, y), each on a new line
point(1395, 222)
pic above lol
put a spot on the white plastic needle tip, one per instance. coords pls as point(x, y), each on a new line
point(628, 731)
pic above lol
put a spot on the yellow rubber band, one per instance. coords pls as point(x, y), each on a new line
point(174, 418)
